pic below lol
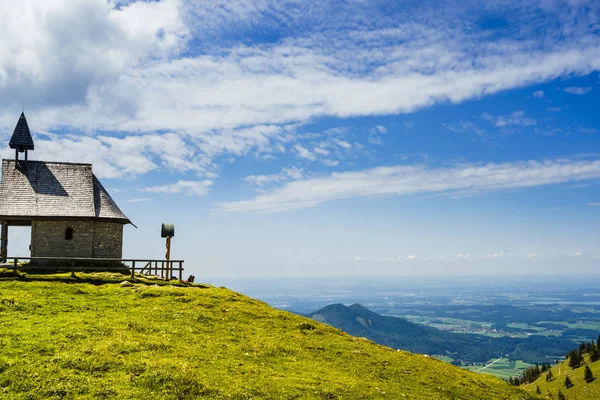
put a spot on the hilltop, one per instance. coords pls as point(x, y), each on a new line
point(92, 337)
point(581, 390)
point(402, 334)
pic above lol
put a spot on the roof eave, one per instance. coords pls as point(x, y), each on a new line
point(123, 221)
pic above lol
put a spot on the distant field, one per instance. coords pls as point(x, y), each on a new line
point(515, 329)
point(502, 368)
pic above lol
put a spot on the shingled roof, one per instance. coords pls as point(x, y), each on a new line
point(54, 190)
point(21, 138)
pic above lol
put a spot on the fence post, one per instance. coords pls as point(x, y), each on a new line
point(180, 271)
point(132, 269)
point(15, 264)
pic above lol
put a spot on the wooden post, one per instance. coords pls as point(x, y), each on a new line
point(15, 265)
point(168, 257)
point(4, 245)
point(132, 269)
point(180, 271)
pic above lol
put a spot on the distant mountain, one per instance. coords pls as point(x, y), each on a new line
point(399, 333)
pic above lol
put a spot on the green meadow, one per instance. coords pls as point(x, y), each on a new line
point(92, 337)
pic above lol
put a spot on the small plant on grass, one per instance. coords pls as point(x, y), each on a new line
point(549, 377)
point(561, 396)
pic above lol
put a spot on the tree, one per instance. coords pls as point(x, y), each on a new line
point(575, 359)
point(587, 374)
point(537, 390)
point(568, 382)
point(595, 353)
point(549, 376)
point(561, 396)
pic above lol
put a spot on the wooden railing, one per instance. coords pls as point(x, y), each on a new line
point(163, 268)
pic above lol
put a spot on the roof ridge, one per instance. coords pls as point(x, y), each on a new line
point(46, 162)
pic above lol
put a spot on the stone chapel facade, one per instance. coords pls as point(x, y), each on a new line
point(70, 213)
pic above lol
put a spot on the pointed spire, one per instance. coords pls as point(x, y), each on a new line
point(21, 139)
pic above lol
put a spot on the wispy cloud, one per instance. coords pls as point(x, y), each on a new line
point(189, 188)
point(595, 204)
point(183, 70)
point(517, 118)
point(499, 254)
point(304, 153)
point(410, 180)
point(292, 173)
point(578, 90)
point(140, 200)
point(538, 94)
point(464, 127)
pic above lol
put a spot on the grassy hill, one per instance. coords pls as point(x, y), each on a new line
point(91, 337)
point(402, 334)
point(580, 389)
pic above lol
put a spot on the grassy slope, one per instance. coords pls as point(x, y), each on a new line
point(94, 339)
point(580, 390)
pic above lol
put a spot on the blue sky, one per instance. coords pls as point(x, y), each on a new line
point(288, 138)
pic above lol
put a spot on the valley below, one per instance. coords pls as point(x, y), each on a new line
point(495, 326)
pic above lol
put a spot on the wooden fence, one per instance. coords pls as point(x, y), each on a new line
point(162, 268)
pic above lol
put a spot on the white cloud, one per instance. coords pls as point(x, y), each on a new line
point(304, 153)
point(499, 254)
point(331, 163)
point(462, 256)
point(122, 157)
point(577, 254)
point(578, 90)
point(464, 127)
point(410, 180)
point(594, 204)
point(286, 174)
point(516, 118)
point(538, 94)
point(342, 143)
point(140, 200)
point(375, 134)
point(378, 129)
point(189, 188)
point(134, 68)
point(531, 255)
point(412, 257)
point(53, 51)
point(320, 151)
